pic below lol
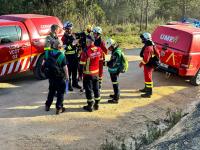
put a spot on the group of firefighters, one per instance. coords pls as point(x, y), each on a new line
point(81, 56)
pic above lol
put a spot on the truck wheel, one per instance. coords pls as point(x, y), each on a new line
point(196, 79)
point(39, 74)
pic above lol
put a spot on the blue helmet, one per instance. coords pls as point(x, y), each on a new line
point(68, 25)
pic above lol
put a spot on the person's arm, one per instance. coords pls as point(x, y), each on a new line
point(104, 49)
point(114, 59)
point(66, 72)
point(82, 63)
point(64, 66)
point(83, 59)
point(146, 56)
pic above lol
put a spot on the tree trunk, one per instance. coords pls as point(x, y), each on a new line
point(184, 8)
point(141, 15)
point(146, 11)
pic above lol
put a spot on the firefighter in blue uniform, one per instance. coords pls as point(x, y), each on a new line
point(71, 54)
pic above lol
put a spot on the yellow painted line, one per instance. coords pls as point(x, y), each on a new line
point(109, 111)
point(24, 107)
point(7, 85)
point(126, 105)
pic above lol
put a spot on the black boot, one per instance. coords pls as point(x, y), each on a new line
point(147, 94)
point(77, 86)
point(96, 105)
point(114, 100)
point(47, 108)
point(144, 90)
point(89, 106)
point(70, 86)
point(112, 96)
point(61, 110)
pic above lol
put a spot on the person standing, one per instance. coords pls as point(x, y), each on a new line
point(147, 53)
point(57, 72)
point(114, 66)
point(97, 32)
point(70, 44)
point(52, 37)
point(90, 61)
point(81, 36)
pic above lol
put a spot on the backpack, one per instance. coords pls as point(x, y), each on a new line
point(124, 63)
point(154, 61)
point(52, 66)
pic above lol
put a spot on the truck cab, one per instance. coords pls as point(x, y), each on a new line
point(22, 40)
point(179, 46)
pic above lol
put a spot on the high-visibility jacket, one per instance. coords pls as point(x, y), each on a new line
point(114, 64)
point(70, 49)
point(90, 60)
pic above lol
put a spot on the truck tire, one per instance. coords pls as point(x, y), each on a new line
point(38, 73)
point(196, 79)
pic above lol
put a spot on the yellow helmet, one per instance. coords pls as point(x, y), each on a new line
point(89, 27)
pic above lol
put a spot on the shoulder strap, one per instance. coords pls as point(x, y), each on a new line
point(46, 54)
point(60, 58)
point(118, 51)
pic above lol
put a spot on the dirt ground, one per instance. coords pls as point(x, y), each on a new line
point(25, 125)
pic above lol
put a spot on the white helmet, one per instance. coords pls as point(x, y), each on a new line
point(97, 30)
point(110, 42)
point(146, 36)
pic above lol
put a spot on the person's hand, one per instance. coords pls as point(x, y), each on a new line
point(141, 64)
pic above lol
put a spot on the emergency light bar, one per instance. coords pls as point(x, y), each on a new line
point(194, 22)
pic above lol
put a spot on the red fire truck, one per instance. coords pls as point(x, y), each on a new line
point(179, 46)
point(22, 39)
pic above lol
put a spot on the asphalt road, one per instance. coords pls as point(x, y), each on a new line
point(25, 125)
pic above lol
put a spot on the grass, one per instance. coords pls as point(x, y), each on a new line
point(127, 35)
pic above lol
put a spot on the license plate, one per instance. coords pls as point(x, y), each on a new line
point(163, 65)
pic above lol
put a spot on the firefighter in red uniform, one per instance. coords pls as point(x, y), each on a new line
point(147, 53)
point(90, 62)
point(97, 31)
